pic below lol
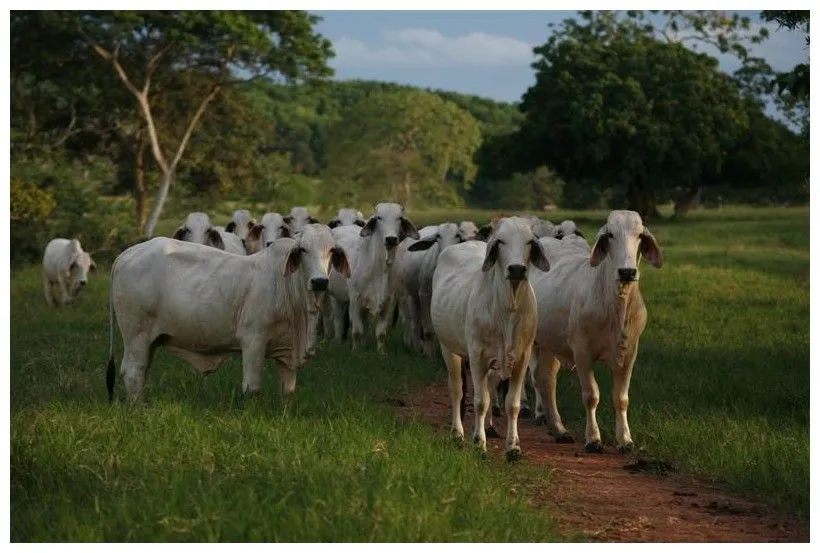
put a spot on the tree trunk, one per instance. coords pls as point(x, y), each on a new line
point(162, 195)
point(687, 201)
point(140, 192)
point(642, 199)
point(407, 190)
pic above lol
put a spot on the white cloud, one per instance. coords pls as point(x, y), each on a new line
point(427, 48)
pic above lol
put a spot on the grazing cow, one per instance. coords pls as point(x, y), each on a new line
point(241, 223)
point(591, 309)
point(261, 235)
point(467, 230)
point(347, 217)
point(298, 218)
point(68, 266)
point(203, 306)
point(415, 264)
point(483, 309)
point(199, 230)
point(370, 287)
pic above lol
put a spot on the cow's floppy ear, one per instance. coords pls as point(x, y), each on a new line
point(230, 227)
point(492, 255)
point(288, 219)
point(284, 232)
point(408, 229)
point(484, 233)
point(212, 238)
point(313, 220)
point(650, 249)
point(538, 257)
point(369, 227)
point(294, 258)
point(180, 233)
point(338, 259)
point(334, 223)
point(359, 222)
point(256, 232)
point(423, 244)
point(601, 247)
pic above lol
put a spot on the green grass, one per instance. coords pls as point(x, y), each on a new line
point(721, 388)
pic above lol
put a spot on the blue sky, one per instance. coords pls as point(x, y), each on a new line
point(477, 52)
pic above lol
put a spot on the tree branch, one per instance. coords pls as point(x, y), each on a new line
point(71, 125)
point(112, 57)
point(192, 124)
point(152, 64)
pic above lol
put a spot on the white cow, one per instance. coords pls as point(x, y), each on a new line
point(241, 222)
point(346, 216)
point(68, 266)
point(591, 309)
point(298, 218)
point(467, 230)
point(371, 286)
point(415, 264)
point(261, 235)
point(565, 228)
point(198, 229)
point(483, 308)
point(203, 306)
point(233, 243)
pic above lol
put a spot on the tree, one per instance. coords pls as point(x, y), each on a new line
point(404, 144)
point(614, 104)
point(147, 50)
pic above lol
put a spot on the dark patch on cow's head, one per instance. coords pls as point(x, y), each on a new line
point(212, 238)
point(338, 259)
point(359, 222)
point(484, 233)
point(293, 260)
point(313, 220)
point(230, 227)
point(180, 233)
point(256, 232)
point(334, 223)
point(288, 219)
point(408, 229)
point(492, 255)
point(369, 227)
point(250, 224)
point(601, 247)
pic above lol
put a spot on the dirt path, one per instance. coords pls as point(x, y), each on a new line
point(596, 497)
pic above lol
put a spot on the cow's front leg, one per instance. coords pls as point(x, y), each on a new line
point(481, 397)
point(47, 290)
point(382, 323)
point(356, 323)
point(65, 297)
point(253, 361)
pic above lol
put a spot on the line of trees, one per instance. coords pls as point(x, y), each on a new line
point(116, 114)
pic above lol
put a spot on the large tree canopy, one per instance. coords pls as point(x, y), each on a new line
point(614, 104)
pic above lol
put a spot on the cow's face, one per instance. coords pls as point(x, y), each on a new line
point(346, 217)
point(241, 223)
point(298, 218)
point(81, 266)
point(389, 226)
point(623, 239)
point(315, 255)
point(467, 231)
point(512, 248)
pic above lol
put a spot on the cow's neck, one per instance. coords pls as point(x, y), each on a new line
point(617, 300)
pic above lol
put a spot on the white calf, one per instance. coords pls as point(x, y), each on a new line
point(66, 265)
point(241, 222)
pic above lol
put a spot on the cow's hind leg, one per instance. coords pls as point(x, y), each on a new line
point(544, 375)
point(47, 290)
point(454, 380)
point(136, 360)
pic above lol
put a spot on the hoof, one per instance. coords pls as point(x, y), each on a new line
point(525, 412)
point(540, 420)
point(496, 411)
point(491, 432)
point(626, 448)
point(513, 455)
point(594, 447)
point(565, 438)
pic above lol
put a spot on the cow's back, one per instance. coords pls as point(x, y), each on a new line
point(53, 257)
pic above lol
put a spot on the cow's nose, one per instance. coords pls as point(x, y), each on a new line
point(318, 284)
point(627, 275)
point(391, 241)
point(517, 272)
point(82, 283)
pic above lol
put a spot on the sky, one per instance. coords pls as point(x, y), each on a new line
point(486, 53)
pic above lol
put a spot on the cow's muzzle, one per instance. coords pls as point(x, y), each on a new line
point(391, 241)
point(627, 275)
point(517, 273)
point(318, 284)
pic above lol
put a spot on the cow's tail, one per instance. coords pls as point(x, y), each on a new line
point(111, 373)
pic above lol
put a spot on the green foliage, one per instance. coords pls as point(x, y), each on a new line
point(611, 103)
point(409, 146)
point(29, 204)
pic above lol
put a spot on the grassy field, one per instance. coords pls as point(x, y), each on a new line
point(721, 388)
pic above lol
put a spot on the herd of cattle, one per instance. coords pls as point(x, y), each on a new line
point(518, 296)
